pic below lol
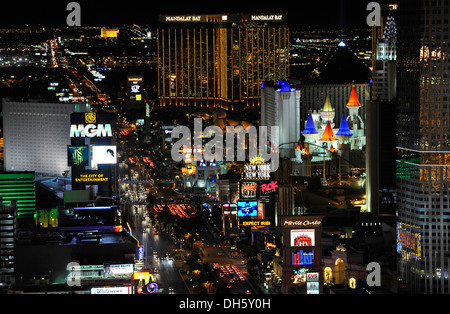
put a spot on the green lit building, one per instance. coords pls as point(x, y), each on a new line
point(20, 186)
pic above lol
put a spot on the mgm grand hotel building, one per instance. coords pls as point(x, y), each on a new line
point(220, 60)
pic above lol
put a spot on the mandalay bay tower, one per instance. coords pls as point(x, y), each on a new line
point(220, 60)
point(423, 145)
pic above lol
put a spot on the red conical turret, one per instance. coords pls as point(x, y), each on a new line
point(328, 134)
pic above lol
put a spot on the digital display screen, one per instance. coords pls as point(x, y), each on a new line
point(303, 237)
point(78, 156)
point(302, 257)
point(249, 189)
point(103, 155)
point(135, 89)
point(247, 209)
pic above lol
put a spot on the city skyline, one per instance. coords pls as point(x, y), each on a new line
point(117, 148)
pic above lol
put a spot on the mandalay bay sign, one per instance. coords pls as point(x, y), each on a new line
point(250, 143)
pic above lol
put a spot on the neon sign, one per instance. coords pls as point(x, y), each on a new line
point(140, 252)
point(269, 188)
point(257, 172)
point(184, 18)
point(311, 223)
point(152, 287)
point(302, 257)
point(255, 223)
point(90, 130)
point(278, 17)
point(312, 283)
point(249, 189)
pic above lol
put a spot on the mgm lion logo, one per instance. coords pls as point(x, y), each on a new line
point(90, 117)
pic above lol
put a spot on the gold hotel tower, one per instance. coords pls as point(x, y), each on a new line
point(220, 60)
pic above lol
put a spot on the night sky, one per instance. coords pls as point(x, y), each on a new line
point(301, 14)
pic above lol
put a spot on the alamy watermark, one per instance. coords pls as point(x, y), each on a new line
point(374, 17)
point(257, 143)
point(74, 277)
point(74, 17)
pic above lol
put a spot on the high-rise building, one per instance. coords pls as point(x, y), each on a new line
point(36, 136)
point(380, 127)
point(423, 145)
point(20, 187)
point(280, 106)
point(8, 211)
point(220, 60)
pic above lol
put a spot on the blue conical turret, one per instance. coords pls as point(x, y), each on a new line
point(310, 128)
point(344, 129)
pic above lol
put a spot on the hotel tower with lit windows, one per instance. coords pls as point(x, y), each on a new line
point(220, 60)
point(423, 145)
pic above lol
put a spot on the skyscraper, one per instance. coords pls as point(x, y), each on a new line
point(220, 60)
point(20, 187)
point(380, 127)
point(280, 106)
point(36, 136)
point(8, 211)
point(423, 145)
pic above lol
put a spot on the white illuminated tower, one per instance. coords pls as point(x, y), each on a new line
point(280, 106)
point(36, 136)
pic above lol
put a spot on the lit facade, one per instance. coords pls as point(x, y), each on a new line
point(21, 188)
point(36, 136)
point(323, 136)
point(109, 33)
point(423, 146)
point(280, 106)
point(380, 128)
point(220, 60)
point(8, 211)
point(315, 96)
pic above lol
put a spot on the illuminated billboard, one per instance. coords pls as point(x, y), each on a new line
point(312, 283)
point(269, 188)
point(257, 170)
point(90, 178)
point(135, 89)
point(302, 237)
point(119, 269)
point(409, 243)
point(111, 290)
point(90, 124)
point(78, 156)
point(298, 276)
point(249, 189)
point(90, 130)
point(103, 155)
point(302, 257)
point(247, 209)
